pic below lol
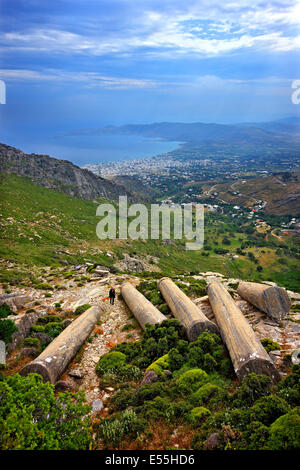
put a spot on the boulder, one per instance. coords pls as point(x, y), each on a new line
point(149, 377)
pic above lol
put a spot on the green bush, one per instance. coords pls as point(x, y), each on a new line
point(114, 429)
point(256, 437)
point(5, 311)
point(7, 328)
point(268, 409)
point(38, 328)
point(205, 393)
point(49, 319)
point(31, 342)
point(82, 308)
point(44, 286)
point(289, 388)
point(270, 345)
point(33, 418)
point(164, 309)
point(109, 361)
point(160, 365)
point(253, 387)
point(285, 432)
point(54, 329)
point(198, 415)
point(191, 380)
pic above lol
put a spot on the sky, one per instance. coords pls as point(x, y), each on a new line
point(79, 64)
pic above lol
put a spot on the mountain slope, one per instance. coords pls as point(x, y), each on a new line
point(58, 174)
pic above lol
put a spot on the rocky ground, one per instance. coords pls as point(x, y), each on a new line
point(81, 373)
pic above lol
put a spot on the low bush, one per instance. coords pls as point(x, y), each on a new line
point(33, 418)
point(198, 415)
point(82, 308)
point(5, 311)
point(191, 380)
point(7, 328)
point(270, 345)
point(114, 429)
point(31, 342)
point(110, 361)
point(268, 409)
point(285, 432)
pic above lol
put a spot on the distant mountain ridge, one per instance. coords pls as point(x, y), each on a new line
point(265, 132)
point(59, 174)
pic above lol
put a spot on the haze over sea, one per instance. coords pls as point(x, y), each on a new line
point(82, 150)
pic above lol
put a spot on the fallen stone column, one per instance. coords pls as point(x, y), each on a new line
point(246, 351)
point(143, 310)
point(52, 362)
point(272, 300)
point(191, 316)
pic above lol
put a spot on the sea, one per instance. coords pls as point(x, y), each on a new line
point(82, 150)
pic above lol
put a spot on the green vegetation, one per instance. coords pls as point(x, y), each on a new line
point(270, 345)
point(57, 229)
point(81, 309)
point(204, 399)
point(33, 418)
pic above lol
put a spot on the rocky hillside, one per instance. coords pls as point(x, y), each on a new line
point(58, 174)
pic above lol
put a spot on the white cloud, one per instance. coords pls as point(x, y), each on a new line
point(206, 27)
point(90, 79)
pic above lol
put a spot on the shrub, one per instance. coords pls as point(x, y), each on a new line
point(164, 309)
point(112, 430)
point(31, 342)
point(123, 398)
point(205, 393)
point(49, 319)
point(191, 380)
point(32, 417)
point(54, 329)
point(209, 363)
point(38, 328)
point(268, 409)
point(110, 361)
point(44, 286)
point(7, 328)
point(285, 432)
point(256, 436)
point(269, 344)
point(197, 415)
point(160, 365)
point(175, 359)
point(253, 387)
point(5, 311)
point(81, 309)
point(289, 388)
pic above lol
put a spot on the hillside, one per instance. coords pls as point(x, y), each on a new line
point(209, 411)
point(42, 227)
point(58, 174)
point(280, 192)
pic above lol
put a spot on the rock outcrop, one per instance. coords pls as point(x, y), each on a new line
point(58, 174)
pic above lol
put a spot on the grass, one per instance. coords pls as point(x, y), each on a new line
point(44, 227)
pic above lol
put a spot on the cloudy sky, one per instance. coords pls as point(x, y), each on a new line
point(72, 64)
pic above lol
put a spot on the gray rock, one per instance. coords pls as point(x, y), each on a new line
point(76, 373)
point(28, 352)
point(23, 322)
point(149, 377)
point(212, 441)
point(97, 405)
point(42, 337)
point(63, 385)
point(131, 264)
